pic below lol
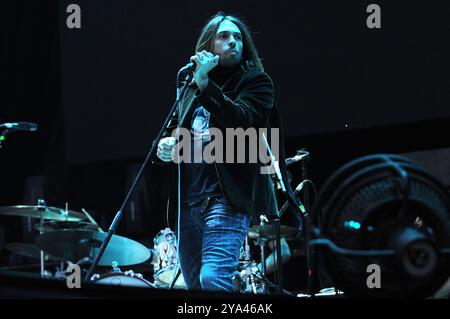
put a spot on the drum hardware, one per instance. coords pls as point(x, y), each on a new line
point(51, 219)
point(166, 269)
point(248, 280)
point(92, 220)
point(267, 232)
point(116, 277)
point(247, 256)
point(115, 267)
point(254, 278)
point(42, 212)
point(121, 279)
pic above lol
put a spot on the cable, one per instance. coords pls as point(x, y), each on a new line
point(178, 267)
point(178, 205)
point(315, 193)
point(313, 186)
point(167, 210)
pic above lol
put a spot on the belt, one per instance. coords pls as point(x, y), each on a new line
point(203, 203)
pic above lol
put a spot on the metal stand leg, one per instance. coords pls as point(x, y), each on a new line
point(279, 269)
point(42, 208)
point(42, 265)
point(177, 274)
point(261, 244)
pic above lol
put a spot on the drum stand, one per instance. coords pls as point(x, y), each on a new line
point(41, 208)
point(247, 283)
point(44, 273)
point(261, 242)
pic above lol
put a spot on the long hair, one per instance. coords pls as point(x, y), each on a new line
point(206, 38)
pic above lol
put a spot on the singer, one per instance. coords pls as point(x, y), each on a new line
point(229, 90)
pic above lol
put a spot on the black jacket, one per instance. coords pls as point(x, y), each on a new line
point(245, 100)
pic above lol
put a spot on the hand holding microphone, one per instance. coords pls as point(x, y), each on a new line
point(201, 58)
point(204, 62)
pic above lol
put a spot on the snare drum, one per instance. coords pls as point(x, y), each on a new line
point(122, 279)
point(165, 246)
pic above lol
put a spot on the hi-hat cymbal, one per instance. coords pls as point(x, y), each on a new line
point(74, 244)
point(268, 231)
point(29, 250)
point(46, 212)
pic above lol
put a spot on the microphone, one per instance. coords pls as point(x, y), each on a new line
point(296, 158)
point(188, 67)
point(20, 126)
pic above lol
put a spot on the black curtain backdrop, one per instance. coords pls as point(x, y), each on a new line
point(331, 72)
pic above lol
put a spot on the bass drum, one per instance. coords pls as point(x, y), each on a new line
point(167, 263)
point(122, 279)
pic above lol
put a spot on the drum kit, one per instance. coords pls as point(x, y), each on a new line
point(67, 236)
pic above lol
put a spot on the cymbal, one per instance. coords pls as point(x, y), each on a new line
point(268, 231)
point(75, 244)
point(29, 250)
point(47, 212)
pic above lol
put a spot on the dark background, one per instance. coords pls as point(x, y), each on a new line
point(329, 69)
point(99, 94)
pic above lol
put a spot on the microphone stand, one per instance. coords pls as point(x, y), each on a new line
point(3, 136)
point(298, 206)
point(311, 251)
point(279, 276)
point(115, 222)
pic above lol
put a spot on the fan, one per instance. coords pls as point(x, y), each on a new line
point(384, 210)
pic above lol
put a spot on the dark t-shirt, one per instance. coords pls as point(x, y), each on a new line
point(199, 179)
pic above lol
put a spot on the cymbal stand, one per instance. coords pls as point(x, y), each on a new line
point(42, 207)
point(247, 276)
point(261, 242)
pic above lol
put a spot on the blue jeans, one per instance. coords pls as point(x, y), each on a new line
point(211, 236)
